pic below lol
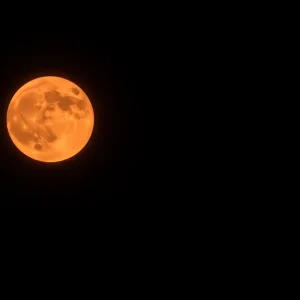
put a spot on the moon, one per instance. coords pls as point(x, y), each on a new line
point(50, 119)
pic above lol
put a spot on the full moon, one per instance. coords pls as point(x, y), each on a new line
point(50, 119)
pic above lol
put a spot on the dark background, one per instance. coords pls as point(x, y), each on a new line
point(110, 170)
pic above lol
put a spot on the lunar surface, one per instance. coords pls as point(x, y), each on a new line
point(50, 119)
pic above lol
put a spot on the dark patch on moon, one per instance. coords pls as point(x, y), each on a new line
point(38, 147)
point(50, 107)
point(52, 96)
point(65, 102)
point(75, 91)
point(77, 116)
point(49, 136)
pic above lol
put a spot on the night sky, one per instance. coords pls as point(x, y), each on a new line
point(110, 170)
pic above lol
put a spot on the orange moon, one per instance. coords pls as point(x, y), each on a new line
point(50, 119)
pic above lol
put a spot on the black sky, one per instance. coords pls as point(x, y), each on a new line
point(110, 169)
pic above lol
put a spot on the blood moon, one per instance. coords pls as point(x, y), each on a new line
point(50, 119)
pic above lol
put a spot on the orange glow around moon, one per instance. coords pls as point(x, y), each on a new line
point(50, 119)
